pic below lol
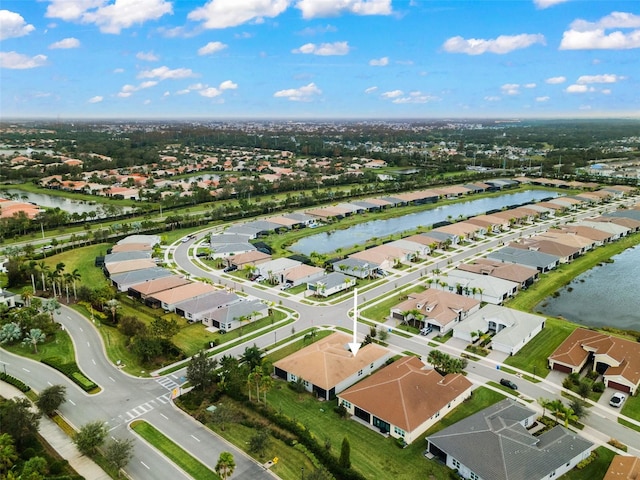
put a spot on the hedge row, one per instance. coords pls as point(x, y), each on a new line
point(72, 371)
point(19, 384)
point(309, 441)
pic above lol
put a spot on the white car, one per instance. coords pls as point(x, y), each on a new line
point(617, 399)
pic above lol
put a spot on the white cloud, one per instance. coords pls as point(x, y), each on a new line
point(128, 89)
point(18, 61)
point(210, 92)
point(333, 8)
point(415, 97)
point(111, 17)
point(166, 94)
point(319, 30)
point(324, 49)
point(118, 70)
point(65, 43)
point(183, 92)
point(510, 89)
point(164, 73)
point(211, 48)
point(529, 85)
point(96, 99)
point(393, 94)
point(547, 3)
point(147, 56)
point(370, 90)
point(542, 99)
point(242, 35)
point(379, 62)
point(584, 35)
point(12, 25)
point(501, 45)
point(302, 94)
point(555, 80)
point(147, 84)
point(228, 85)
point(606, 78)
point(606, 91)
point(230, 13)
point(575, 88)
point(492, 98)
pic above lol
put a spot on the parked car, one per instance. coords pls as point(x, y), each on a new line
point(426, 331)
point(286, 286)
point(617, 399)
point(230, 268)
point(508, 383)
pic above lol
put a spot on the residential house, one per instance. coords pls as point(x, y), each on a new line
point(617, 359)
point(111, 258)
point(623, 467)
point(147, 288)
point(274, 270)
point(384, 255)
point(524, 276)
point(443, 238)
point(495, 444)
point(511, 329)
point(570, 239)
point(231, 316)
point(614, 227)
point(543, 262)
point(481, 287)
point(302, 273)
point(355, 267)
point(8, 298)
point(633, 225)
point(490, 223)
point(252, 258)
point(144, 239)
point(129, 247)
point(168, 299)
point(128, 266)
point(437, 309)
point(122, 281)
point(418, 249)
point(406, 398)
point(565, 253)
point(598, 237)
point(194, 309)
point(327, 367)
point(330, 284)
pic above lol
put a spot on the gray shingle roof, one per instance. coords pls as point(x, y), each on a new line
point(522, 256)
point(495, 445)
point(139, 276)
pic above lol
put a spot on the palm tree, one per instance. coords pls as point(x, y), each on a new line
point(8, 454)
point(51, 306)
point(27, 295)
point(75, 277)
point(34, 337)
point(113, 306)
point(67, 280)
point(226, 465)
point(44, 269)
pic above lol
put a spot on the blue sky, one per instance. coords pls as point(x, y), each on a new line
point(319, 58)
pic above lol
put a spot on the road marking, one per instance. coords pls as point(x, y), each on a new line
point(94, 362)
point(68, 317)
point(145, 465)
point(174, 376)
point(111, 379)
point(164, 416)
point(50, 384)
point(195, 439)
point(71, 402)
point(28, 371)
point(81, 329)
point(88, 344)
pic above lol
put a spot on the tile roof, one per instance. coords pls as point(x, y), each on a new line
point(406, 393)
point(438, 305)
point(327, 362)
point(623, 468)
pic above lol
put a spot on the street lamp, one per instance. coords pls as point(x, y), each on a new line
point(302, 473)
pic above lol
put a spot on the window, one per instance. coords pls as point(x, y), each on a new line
point(371, 366)
point(306, 383)
point(473, 476)
point(398, 431)
point(456, 463)
point(293, 377)
point(346, 404)
point(359, 373)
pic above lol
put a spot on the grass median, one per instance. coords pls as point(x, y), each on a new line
point(173, 451)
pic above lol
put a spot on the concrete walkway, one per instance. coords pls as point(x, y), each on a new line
point(60, 442)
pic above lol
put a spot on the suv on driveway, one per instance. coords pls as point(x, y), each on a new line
point(617, 399)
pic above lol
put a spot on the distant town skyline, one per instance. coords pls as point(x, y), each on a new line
point(319, 59)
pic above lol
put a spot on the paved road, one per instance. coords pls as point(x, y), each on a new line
point(125, 397)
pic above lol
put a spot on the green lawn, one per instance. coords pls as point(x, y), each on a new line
point(380, 311)
point(58, 346)
point(535, 353)
point(83, 259)
point(390, 461)
point(631, 409)
point(173, 451)
point(481, 399)
point(595, 470)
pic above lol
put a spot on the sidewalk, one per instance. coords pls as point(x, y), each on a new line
point(60, 442)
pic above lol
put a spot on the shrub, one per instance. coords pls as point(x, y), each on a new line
point(598, 387)
point(19, 384)
point(587, 460)
point(72, 371)
point(616, 444)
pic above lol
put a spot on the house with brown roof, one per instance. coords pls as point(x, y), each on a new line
point(623, 467)
point(525, 276)
point(564, 253)
point(437, 309)
point(406, 398)
point(302, 274)
point(386, 256)
point(148, 288)
point(617, 359)
point(579, 242)
point(167, 299)
point(253, 258)
point(327, 367)
point(490, 223)
point(128, 266)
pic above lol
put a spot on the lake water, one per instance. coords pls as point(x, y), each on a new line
point(358, 234)
point(606, 295)
point(50, 201)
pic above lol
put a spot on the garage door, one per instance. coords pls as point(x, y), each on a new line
point(561, 368)
point(619, 386)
